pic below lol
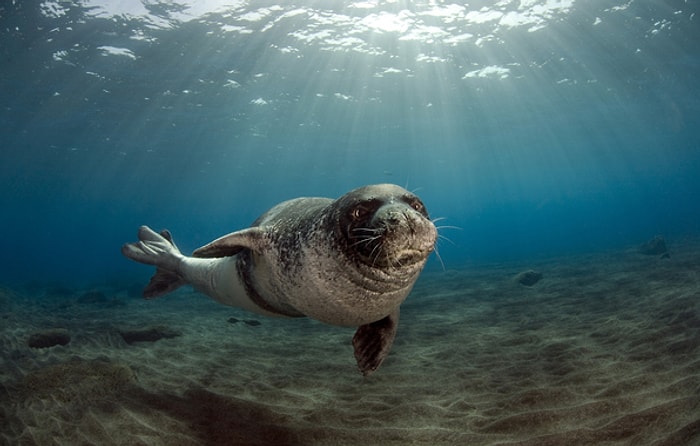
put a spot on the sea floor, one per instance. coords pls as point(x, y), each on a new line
point(604, 350)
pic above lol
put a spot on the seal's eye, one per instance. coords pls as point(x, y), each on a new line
point(359, 213)
point(417, 205)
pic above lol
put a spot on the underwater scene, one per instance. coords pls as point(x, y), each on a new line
point(371, 222)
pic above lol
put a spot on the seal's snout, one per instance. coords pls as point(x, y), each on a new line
point(400, 217)
point(408, 236)
point(395, 217)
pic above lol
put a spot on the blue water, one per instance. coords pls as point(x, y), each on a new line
point(536, 127)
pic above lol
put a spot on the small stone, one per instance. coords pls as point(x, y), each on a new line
point(654, 247)
point(152, 334)
point(528, 278)
point(49, 338)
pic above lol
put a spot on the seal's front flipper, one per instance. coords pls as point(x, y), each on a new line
point(372, 342)
point(159, 250)
point(233, 243)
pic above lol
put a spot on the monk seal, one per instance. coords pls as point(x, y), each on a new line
point(347, 262)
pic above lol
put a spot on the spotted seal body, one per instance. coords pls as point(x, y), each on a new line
point(348, 262)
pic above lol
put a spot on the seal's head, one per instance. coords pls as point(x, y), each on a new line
point(384, 226)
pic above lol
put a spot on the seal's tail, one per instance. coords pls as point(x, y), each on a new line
point(159, 250)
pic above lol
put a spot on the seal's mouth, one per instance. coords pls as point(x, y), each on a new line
point(409, 257)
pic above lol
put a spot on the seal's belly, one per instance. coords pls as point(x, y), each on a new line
point(325, 295)
point(350, 310)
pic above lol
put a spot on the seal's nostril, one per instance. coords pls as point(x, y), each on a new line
point(394, 216)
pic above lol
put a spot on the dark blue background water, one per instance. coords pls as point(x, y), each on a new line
point(537, 127)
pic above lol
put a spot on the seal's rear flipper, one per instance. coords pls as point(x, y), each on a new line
point(163, 282)
point(372, 342)
point(159, 250)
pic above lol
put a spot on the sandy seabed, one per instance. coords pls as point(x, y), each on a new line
point(604, 350)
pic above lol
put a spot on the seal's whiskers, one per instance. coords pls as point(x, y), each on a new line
point(373, 257)
point(367, 240)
